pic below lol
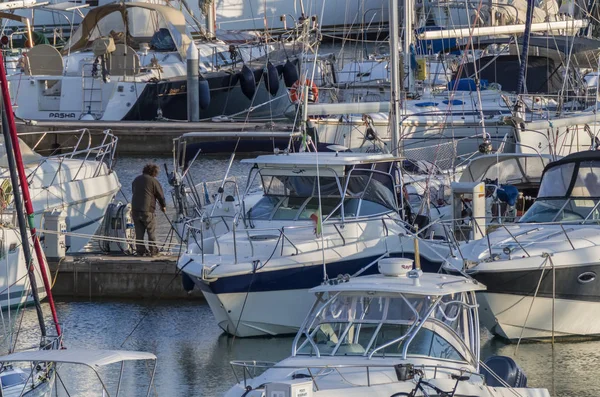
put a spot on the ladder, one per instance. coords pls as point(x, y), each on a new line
point(92, 92)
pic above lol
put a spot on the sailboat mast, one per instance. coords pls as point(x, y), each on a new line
point(395, 75)
point(21, 218)
point(18, 161)
point(525, 48)
point(408, 41)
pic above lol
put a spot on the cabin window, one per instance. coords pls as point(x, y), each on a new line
point(556, 181)
point(51, 87)
point(562, 210)
point(351, 325)
point(264, 208)
point(288, 208)
point(327, 206)
point(587, 183)
point(10, 380)
point(372, 186)
point(300, 186)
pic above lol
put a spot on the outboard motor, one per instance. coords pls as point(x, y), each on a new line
point(506, 369)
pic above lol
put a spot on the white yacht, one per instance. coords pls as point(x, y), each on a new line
point(319, 215)
point(74, 178)
point(542, 272)
point(399, 333)
point(73, 188)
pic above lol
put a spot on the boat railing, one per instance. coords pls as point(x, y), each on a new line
point(513, 237)
point(47, 342)
point(251, 369)
point(281, 234)
point(555, 103)
point(86, 146)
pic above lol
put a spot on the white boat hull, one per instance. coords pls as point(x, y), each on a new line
point(15, 288)
point(241, 314)
point(572, 318)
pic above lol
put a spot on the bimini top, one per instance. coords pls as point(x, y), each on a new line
point(137, 22)
point(325, 159)
point(512, 168)
point(426, 284)
point(91, 358)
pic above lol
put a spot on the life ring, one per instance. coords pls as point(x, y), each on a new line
point(298, 87)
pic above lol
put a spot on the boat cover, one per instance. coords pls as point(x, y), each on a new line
point(91, 358)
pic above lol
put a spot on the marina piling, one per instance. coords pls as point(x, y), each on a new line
point(193, 87)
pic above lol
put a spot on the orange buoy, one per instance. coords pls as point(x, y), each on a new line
point(297, 91)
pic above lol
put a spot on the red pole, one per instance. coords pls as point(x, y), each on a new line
point(25, 189)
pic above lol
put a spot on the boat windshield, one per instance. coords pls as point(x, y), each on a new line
point(296, 197)
point(388, 325)
point(568, 193)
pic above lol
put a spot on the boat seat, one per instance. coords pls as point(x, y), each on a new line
point(43, 59)
point(124, 60)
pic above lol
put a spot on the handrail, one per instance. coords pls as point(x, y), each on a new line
point(247, 364)
point(283, 232)
point(106, 147)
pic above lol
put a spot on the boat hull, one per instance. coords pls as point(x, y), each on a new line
point(275, 302)
point(169, 98)
point(506, 316)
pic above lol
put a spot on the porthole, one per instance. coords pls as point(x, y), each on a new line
point(586, 277)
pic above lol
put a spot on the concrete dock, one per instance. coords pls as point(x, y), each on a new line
point(156, 137)
point(97, 276)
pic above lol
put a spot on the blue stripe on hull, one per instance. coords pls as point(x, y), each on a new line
point(304, 277)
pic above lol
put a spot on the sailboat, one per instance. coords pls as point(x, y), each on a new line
point(139, 71)
point(40, 380)
point(458, 109)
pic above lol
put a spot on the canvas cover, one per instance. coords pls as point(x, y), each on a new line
point(137, 21)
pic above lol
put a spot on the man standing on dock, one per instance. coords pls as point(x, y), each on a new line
point(146, 191)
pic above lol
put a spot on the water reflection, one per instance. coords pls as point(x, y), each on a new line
point(194, 356)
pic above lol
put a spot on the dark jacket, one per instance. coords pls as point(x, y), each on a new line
point(146, 190)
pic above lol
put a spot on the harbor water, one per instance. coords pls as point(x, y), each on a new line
point(194, 355)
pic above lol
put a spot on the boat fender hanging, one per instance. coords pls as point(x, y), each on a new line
point(229, 81)
point(297, 91)
point(290, 74)
point(187, 282)
point(247, 82)
point(279, 69)
point(271, 79)
point(258, 75)
point(204, 97)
